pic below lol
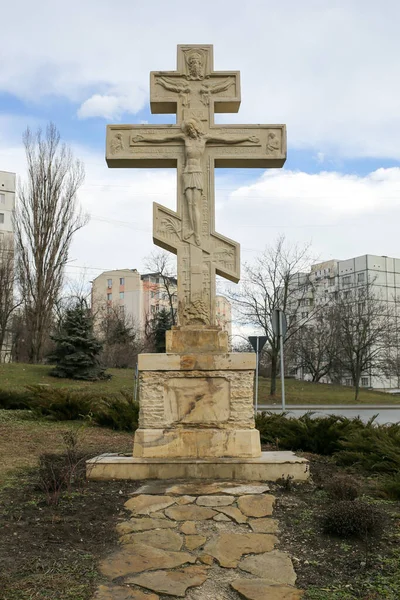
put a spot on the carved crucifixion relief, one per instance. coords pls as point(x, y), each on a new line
point(195, 145)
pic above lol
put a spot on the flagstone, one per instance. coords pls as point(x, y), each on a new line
point(116, 592)
point(228, 548)
point(274, 566)
point(206, 559)
point(173, 583)
point(165, 539)
point(234, 513)
point(186, 500)
point(144, 524)
point(135, 558)
point(260, 589)
point(191, 512)
point(266, 525)
point(146, 504)
point(189, 527)
point(194, 541)
point(257, 505)
point(221, 517)
point(215, 500)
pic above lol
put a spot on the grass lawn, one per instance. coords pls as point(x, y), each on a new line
point(305, 392)
point(23, 439)
point(16, 376)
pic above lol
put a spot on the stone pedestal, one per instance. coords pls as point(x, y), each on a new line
point(197, 416)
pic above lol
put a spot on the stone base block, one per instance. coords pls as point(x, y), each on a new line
point(187, 340)
point(196, 443)
point(270, 466)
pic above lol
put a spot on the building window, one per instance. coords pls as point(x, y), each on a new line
point(121, 310)
point(1, 217)
point(364, 381)
point(109, 297)
point(153, 309)
point(347, 280)
point(157, 307)
point(152, 294)
point(2, 199)
point(122, 281)
point(304, 315)
point(109, 283)
point(121, 295)
point(361, 278)
point(349, 382)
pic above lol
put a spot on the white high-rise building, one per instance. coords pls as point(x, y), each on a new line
point(7, 204)
point(326, 279)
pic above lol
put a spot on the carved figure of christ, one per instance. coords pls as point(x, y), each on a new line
point(193, 173)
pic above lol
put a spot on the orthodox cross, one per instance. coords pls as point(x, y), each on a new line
point(195, 146)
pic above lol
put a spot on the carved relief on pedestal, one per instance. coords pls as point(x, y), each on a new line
point(117, 143)
point(273, 143)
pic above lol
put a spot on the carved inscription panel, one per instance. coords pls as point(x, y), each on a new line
point(196, 400)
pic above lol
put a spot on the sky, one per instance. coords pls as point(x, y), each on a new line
point(328, 69)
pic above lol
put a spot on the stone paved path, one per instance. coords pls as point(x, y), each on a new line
point(200, 541)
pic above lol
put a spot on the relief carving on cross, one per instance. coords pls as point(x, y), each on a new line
point(195, 146)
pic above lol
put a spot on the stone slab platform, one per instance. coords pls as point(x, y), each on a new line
point(270, 466)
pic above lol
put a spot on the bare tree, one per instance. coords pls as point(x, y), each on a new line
point(160, 262)
point(277, 279)
point(313, 347)
point(45, 221)
point(8, 301)
point(362, 322)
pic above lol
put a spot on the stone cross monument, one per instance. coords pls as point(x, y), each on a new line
point(195, 145)
point(196, 401)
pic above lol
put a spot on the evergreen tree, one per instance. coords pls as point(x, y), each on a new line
point(77, 350)
point(161, 323)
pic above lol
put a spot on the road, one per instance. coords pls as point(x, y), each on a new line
point(386, 413)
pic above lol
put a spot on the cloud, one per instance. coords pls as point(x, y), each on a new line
point(328, 70)
point(111, 106)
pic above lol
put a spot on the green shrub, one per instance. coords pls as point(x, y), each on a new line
point(120, 413)
point(342, 487)
point(391, 486)
point(320, 435)
point(60, 404)
point(14, 399)
point(348, 518)
point(374, 448)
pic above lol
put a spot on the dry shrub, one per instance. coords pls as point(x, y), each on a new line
point(348, 518)
point(342, 487)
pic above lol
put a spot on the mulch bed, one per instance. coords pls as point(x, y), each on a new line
point(49, 552)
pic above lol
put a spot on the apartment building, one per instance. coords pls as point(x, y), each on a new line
point(7, 204)
point(139, 297)
point(319, 287)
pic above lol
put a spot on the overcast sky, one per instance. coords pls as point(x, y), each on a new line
point(328, 69)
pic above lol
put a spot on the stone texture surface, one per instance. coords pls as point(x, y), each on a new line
point(144, 505)
point(186, 500)
point(260, 589)
point(165, 539)
point(228, 548)
point(232, 512)
point(173, 583)
point(114, 592)
point(191, 512)
point(189, 527)
point(257, 505)
point(194, 541)
point(274, 566)
point(135, 558)
point(246, 488)
point(206, 559)
point(143, 525)
point(215, 500)
point(264, 525)
point(221, 517)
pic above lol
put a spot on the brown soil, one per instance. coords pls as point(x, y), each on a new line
point(52, 553)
